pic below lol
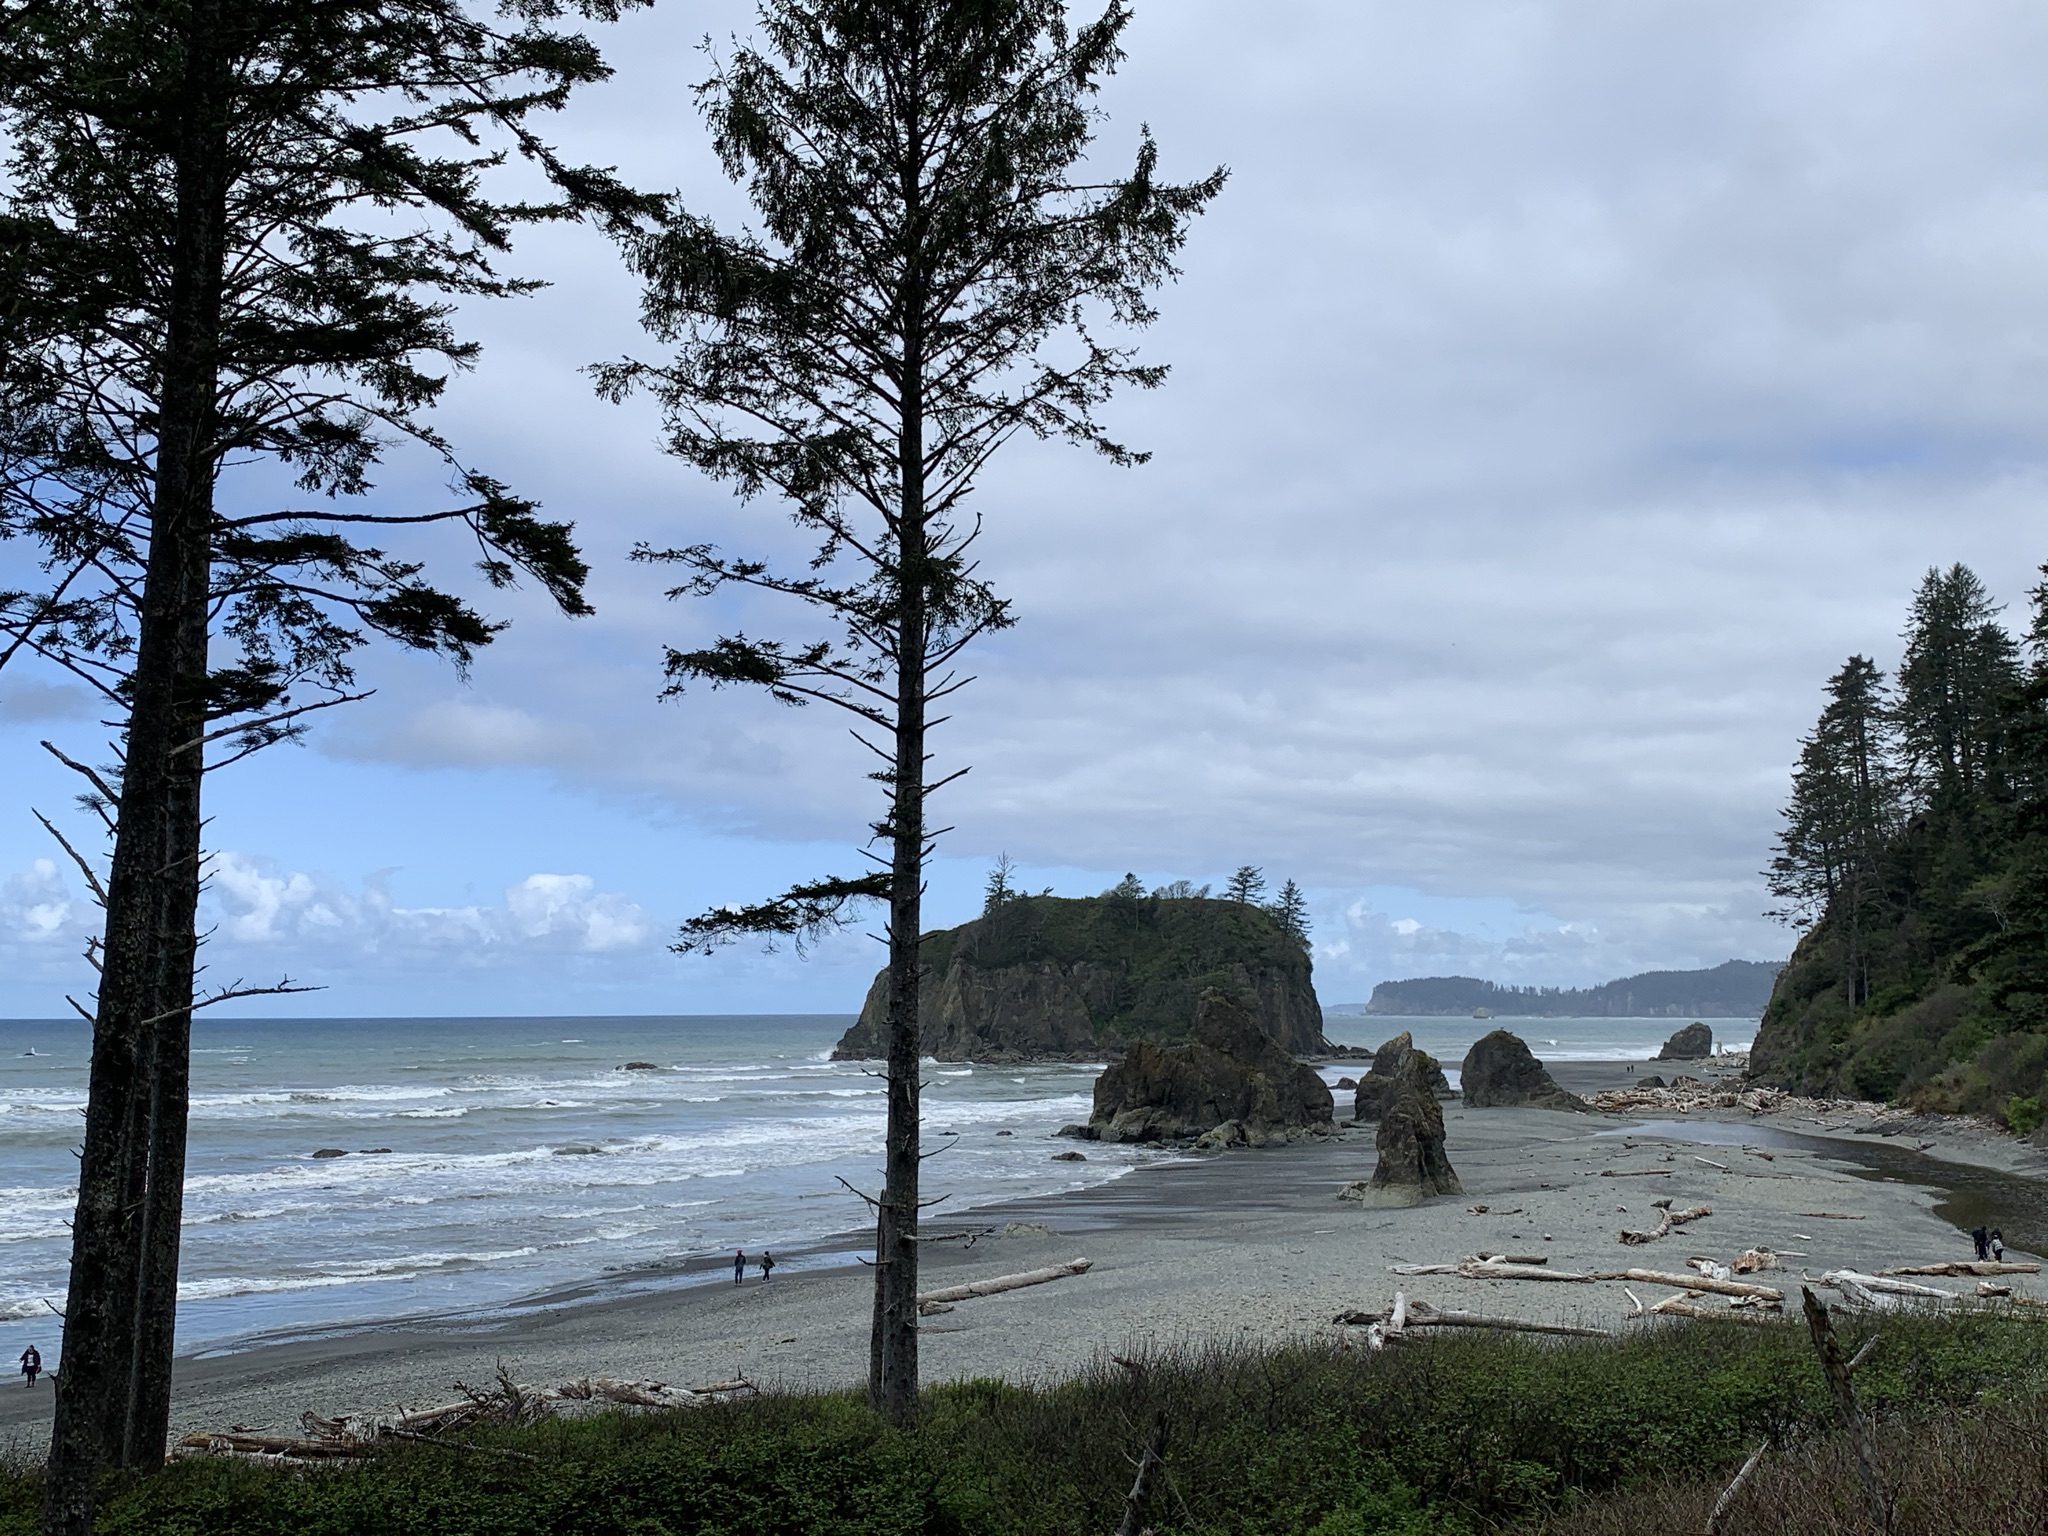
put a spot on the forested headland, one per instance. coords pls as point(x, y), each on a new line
point(1914, 854)
point(1734, 989)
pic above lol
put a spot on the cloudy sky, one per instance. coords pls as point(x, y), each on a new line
point(1560, 392)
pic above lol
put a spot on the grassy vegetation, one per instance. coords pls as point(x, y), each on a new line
point(1460, 1435)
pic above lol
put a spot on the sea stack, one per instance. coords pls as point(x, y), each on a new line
point(1232, 1085)
point(1413, 1165)
point(1373, 1088)
point(1499, 1072)
point(1691, 1043)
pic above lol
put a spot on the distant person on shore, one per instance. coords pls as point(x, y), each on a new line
point(1998, 1246)
point(1983, 1241)
point(31, 1364)
point(767, 1263)
point(739, 1265)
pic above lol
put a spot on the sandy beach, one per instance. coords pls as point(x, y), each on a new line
point(1250, 1245)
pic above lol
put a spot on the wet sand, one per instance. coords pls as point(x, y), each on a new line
point(1241, 1246)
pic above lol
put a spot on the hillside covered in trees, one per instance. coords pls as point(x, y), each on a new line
point(1078, 977)
point(1914, 855)
point(1735, 989)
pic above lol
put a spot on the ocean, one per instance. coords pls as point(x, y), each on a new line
point(517, 1161)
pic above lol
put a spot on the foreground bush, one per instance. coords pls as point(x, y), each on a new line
point(1459, 1435)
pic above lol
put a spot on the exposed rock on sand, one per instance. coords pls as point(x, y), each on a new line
point(1412, 1164)
point(1378, 1082)
point(1691, 1043)
point(1232, 1085)
point(1500, 1072)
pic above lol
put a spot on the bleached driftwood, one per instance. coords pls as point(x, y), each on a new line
point(1698, 1283)
point(1964, 1267)
point(1001, 1283)
point(1494, 1269)
point(1406, 1314)
point(1753, 1260)
point(1883, 1285)
point(1666, 1220)
point(1420, 1314)
point(1712, 1164)
point(1678, 1306)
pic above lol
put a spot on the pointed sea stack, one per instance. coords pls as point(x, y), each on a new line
point(1413, 1165)
point(1499, 1072)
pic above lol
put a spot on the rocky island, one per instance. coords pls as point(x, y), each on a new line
point(1080, 978)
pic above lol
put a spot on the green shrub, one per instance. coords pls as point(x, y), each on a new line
point(2022, 1115)
point(1446, 1437)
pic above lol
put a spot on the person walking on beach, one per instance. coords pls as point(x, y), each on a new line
point(739, 1265)
point(767, 1263)
point(1998, 1246)
point(31, 1364)
point(1983, 1241)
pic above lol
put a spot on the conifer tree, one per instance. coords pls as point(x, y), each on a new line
point(1959, 667)
point(930, 273)
point(234, 233)
point(998, 889)
point(1843, 810)
point(1247, 885)
point(1290, 910)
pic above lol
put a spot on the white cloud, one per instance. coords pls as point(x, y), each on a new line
point(257, 906)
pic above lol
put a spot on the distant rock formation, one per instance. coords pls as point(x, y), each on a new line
point(1500, 1072)
point(1232, 1085)
point(1078, 979)
point(1735, 989)
point(1688, 1044)
point(1373, 1088)
point(1413, 1165)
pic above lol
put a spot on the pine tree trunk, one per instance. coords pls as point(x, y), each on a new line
point(894, 1370)
point(113, 1380)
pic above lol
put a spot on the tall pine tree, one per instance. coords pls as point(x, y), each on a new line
point(234, 233)
point(932, 268)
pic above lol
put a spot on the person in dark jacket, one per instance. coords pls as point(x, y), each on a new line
point(31, 1364)
point(739, 1265)
point(767, 1263)
point(1983, 1241)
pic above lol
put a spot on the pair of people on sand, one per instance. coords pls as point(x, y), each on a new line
point(739, 1265)
point(1990, 1245)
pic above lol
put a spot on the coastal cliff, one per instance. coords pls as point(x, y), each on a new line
point(1079, 978)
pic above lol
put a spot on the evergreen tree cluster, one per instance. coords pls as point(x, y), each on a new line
point(1914, 854)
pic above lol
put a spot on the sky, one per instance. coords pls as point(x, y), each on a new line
point(1559, 393)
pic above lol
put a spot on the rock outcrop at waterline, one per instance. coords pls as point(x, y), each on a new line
point(1691, 1043)
point(1078, 979)
point(1372, 1089)
point(1410, 1141)
point(1232, 1085)
point(1500, 1072)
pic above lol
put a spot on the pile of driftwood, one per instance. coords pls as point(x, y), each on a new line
point(1688, 1095)
point(502, 1403)
point(1384, 1328)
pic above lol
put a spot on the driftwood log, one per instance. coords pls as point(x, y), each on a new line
point(1001, 1283)
point(1406, 1314)
point(1964, 1267)
point(1666, 1220)
point(1679, 1306)
point(1698, 1283)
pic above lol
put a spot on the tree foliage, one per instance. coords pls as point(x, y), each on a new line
point(931, 273)
point(234, 235)
point(1914, 852)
